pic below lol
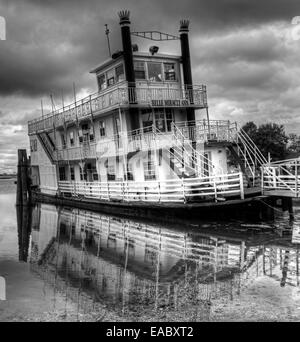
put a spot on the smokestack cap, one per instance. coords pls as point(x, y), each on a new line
point(184, 25)
point(124, 17)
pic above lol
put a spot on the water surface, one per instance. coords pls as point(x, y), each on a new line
point(63, 264)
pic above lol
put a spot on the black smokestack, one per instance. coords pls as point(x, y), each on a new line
point(127, 47)
point(129, 69)
point(186, 64)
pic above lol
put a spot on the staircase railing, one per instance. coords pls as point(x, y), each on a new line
point(48, 146)
point(252, 157)
point(196, 156)
point(255, 160)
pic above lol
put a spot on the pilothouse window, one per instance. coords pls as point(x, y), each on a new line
point(120, 76)
point(110, 77)
point(139, 70)
point(101, 82)
point(170, 74)
point(154, 72)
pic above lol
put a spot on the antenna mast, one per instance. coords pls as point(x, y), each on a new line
point(52, 103)
point(107, 36)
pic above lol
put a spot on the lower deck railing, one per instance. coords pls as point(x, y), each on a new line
point(282, 176)
point(282, 182)
point(177, 190)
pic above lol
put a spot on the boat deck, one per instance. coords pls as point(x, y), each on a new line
point(170, 211)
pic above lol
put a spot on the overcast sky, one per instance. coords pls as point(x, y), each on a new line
point(245, 51)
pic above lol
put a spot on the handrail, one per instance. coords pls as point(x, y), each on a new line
point(122, 94)
point(287, 178)
point(254, 147)
point(172, 190)
point(209, 163)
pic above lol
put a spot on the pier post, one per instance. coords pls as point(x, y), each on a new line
point(23, 187)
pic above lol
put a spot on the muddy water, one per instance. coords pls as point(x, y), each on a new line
point(63, 264)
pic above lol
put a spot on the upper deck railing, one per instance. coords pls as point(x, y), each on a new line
point(148, 138)
point(122, 95)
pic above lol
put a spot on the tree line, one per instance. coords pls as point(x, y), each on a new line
point(271, 138)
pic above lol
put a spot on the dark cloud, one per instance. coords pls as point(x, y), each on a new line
point(53, 43)
point(239, 49)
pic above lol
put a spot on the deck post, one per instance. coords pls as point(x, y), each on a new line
point(296, 177)
point(108, 190)
point(183, 192)
point(215, 189)
point(241, 185)
point(159, 193)
point(262, 179)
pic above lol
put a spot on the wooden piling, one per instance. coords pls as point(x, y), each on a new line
point(23, 188)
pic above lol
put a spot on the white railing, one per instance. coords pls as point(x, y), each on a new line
point(76, 153)
point(121, 95)
point(283, 176)
point(197, 158)
point(133, 141)
point(177, 190)
point(150, 137)
point(204, 130)
point(249, 153)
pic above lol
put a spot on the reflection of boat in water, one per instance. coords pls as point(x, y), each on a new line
point(136, 267)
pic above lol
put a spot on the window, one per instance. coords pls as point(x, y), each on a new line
point(147, 119)
point(169, 118)
point(91, 134)
point(149, 168)
point(139, 70)
point(101, 82)
point(160, 119)
point(83, 174)
point(170, 74)
point(102, 128)
point(80, 136)
point(120, 76)
point(130, 172)
point(71, 138)
point(154, 72)
point(72, 173)
point(110, 76)
point(111, 174)
point(164, 119)
point(33, 145)
point(63, 141)
point(62, 173)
